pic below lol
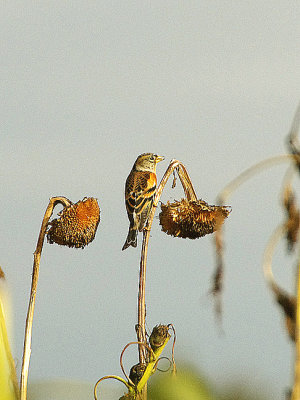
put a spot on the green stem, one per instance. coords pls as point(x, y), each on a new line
point(151, 366)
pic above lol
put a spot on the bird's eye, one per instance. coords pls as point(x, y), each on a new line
point(152, 158)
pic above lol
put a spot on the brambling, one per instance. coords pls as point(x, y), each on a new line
point(140, 190)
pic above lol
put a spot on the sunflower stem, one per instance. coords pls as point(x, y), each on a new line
point(190, 193)
point(35, 275)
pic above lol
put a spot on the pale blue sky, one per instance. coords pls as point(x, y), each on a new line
point(85, 88)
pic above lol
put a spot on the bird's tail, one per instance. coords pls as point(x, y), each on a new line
point(131, 238)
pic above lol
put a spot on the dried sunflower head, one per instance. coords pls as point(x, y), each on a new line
point(191, 219)
point(76, 225)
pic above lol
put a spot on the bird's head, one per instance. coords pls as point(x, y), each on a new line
point(147, 162)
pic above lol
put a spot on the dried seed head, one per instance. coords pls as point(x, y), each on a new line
point(293, 218)
point(191, 219)
point(158, 336)
point(76, 225)
point(137, 372)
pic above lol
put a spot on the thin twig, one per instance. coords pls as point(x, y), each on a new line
point(296, 388)
point(122, 353)
point(118, 378)
point(287, 181)
point(173, 348)
point(295, 124)
point(292, 139)
point(222, 198)
point(286, 301)
point(268, 254)
point(251, 171)
point(35, 275)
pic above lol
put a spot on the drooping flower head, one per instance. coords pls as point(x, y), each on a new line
point(191, 219)
point(76, 225)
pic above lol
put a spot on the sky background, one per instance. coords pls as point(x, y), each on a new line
point(88, 86)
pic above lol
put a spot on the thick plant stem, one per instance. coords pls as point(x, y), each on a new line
point(35, 275)
point(190, 193)
point(296, 387)
point(141, 332)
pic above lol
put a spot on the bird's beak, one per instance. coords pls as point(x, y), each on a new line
point(159, 158)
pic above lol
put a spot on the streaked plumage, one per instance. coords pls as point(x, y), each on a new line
point(140, 190)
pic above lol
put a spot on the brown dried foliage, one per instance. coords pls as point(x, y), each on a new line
point(288, 304)
point(293, 218)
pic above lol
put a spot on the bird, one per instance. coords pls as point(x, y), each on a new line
point(140, 189)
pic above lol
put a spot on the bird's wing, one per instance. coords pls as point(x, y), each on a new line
point(140, 190)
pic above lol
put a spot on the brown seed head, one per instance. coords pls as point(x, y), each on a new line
point(77, 224)
point(137, 372)
point(158, 336)
point(191, 219)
